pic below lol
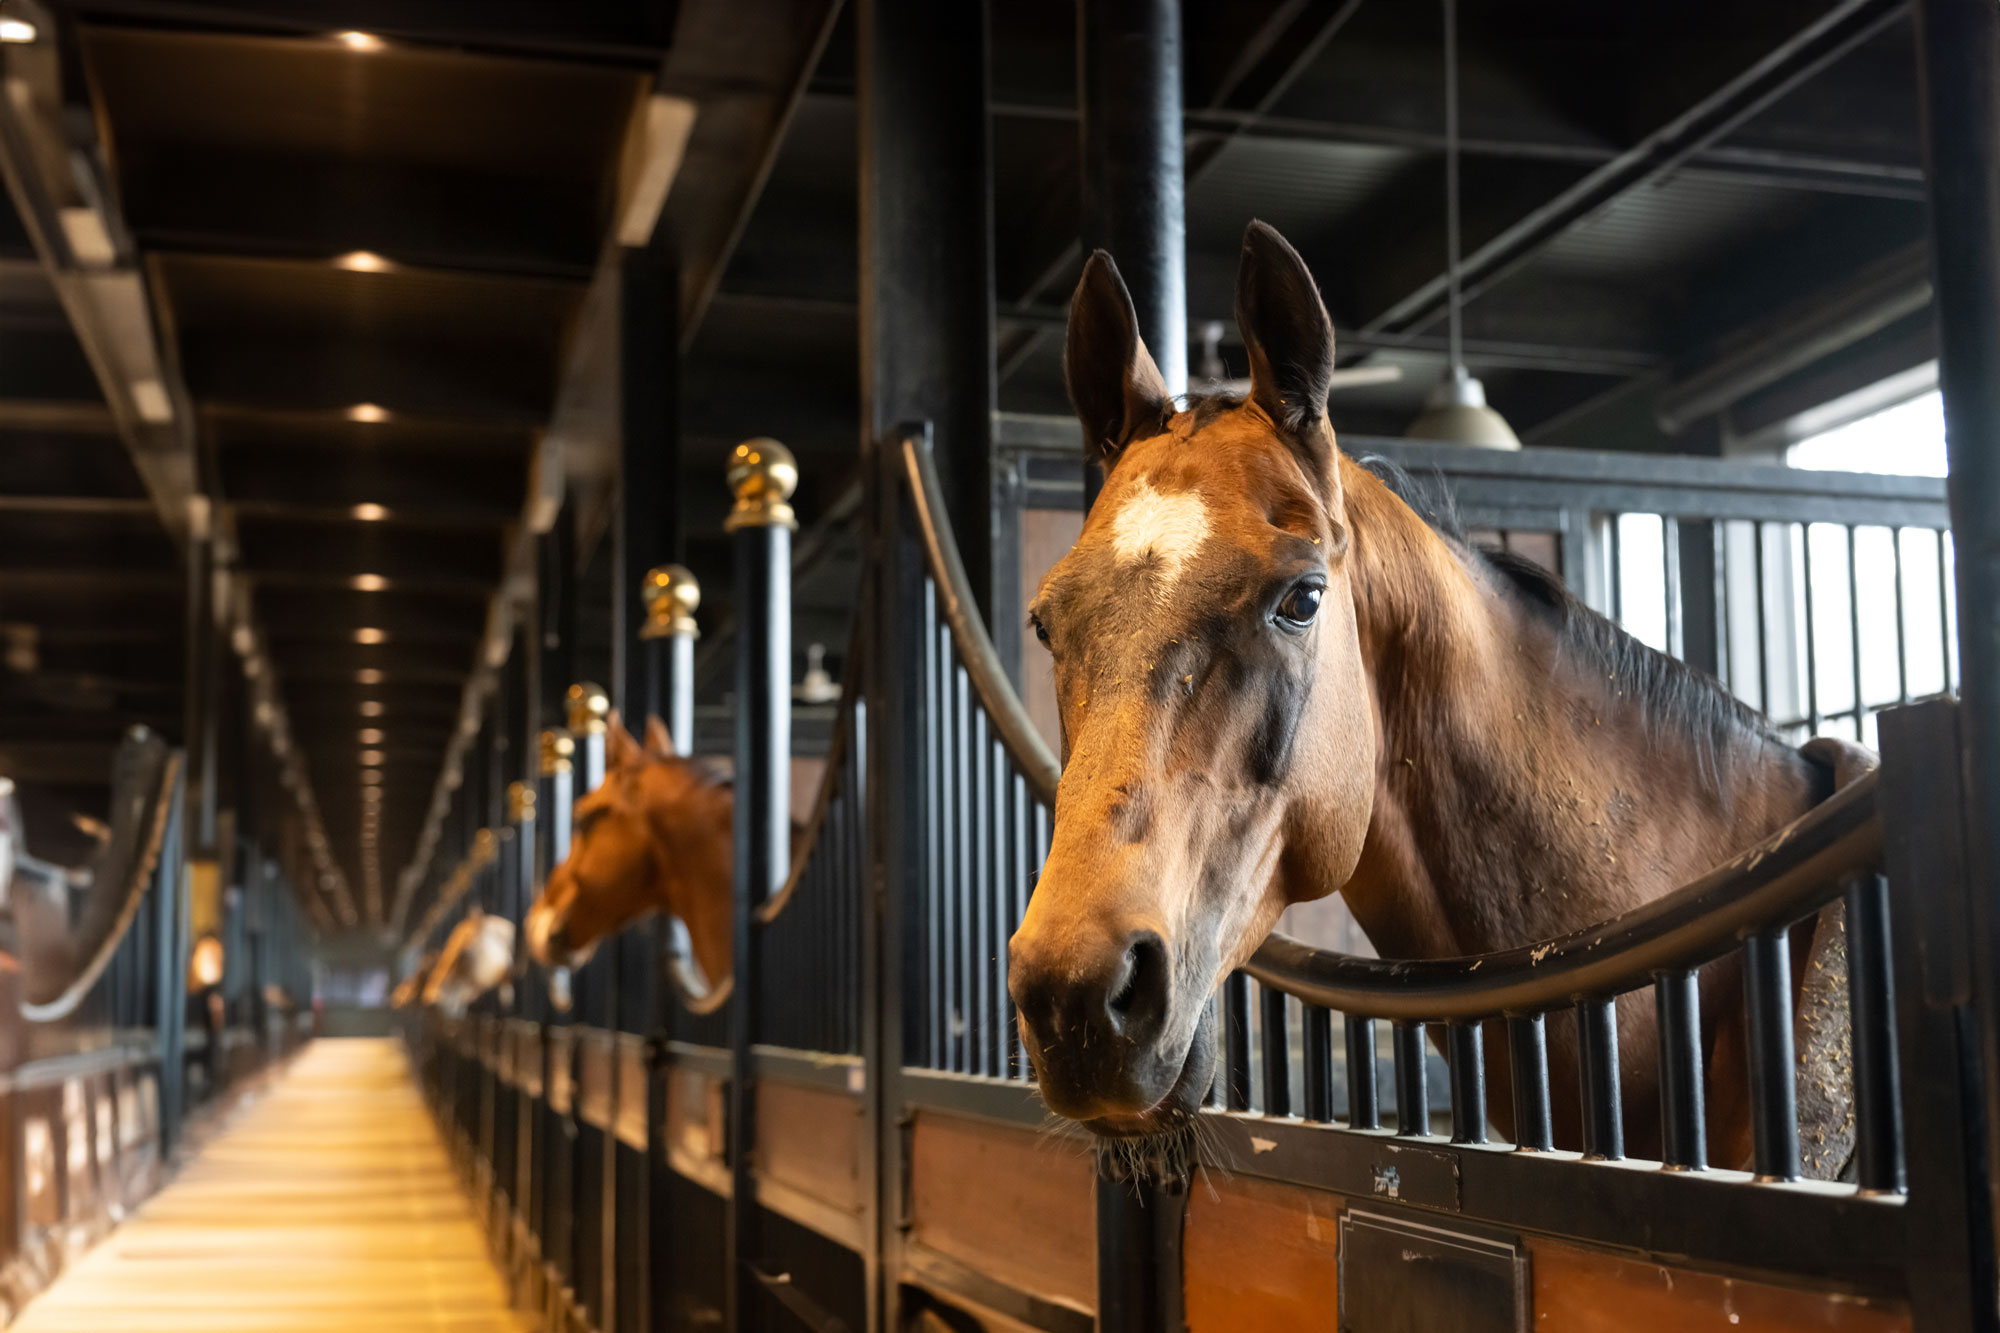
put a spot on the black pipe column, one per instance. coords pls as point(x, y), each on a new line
point(762, 475)
point(1129, 106)
point(1958, 43)
point(926, 288)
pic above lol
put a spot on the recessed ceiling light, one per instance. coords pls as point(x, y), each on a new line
point(369, 636)
point(370, 736)
point(369, 583)
point(371, 708)
point(360, 41)
point(363, 261)
point(369, 676)
point(370, 513)
point(17, 30)
point(371, 777)
point(370, 412)
point(371, 758)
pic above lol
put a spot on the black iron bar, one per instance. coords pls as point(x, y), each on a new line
point(1413, 1088)
point(1468, 1083)
point(1683, 1126)
point(1276, 1050)
point(1813, 718)
point(1767, 980)
point(1364, 1101)
point(1854, 634)
point(1528, 1063)
point(979, 890)
point(1319, 1064)
point(1597, 1060)
point(963, 943)
point(1878, 1096)
point(932, 825)
point(1236, 1042)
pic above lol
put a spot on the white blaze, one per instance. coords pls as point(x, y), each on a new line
point(1169, 527)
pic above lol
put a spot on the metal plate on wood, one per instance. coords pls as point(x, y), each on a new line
point(559, 1081)
point(1402, 1276)
point(632, 1090)
point(595, 1054)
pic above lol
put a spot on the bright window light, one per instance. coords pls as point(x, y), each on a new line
point(1907, 439)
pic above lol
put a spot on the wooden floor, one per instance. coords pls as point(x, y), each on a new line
point(327, 1205)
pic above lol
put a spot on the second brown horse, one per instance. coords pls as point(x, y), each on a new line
point(653, 837)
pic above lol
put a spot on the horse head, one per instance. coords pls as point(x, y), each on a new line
point(1217, 731)
point(476, 957)
point(653, 837)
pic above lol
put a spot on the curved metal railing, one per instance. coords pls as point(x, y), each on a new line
point(142, 803)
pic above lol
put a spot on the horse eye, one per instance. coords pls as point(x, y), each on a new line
point(1041, 630)
point(1301, 604)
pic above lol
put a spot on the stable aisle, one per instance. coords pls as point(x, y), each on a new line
point(328, 1204)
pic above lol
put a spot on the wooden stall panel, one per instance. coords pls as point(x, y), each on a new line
point(1586, 1291)
point(1261, 1256)
point(694, 1137)
point(809, 1152)
point(1016, 1206)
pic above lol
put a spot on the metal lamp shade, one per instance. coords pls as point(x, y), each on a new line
point(1456, 413)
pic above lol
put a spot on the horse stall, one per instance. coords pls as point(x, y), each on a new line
point(103, 1078)
point(846, 1131)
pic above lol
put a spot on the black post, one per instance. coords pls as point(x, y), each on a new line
point(1958, 43)
point(648, 530)
point(672, 596)
point(1129, 108)
point(762, 474)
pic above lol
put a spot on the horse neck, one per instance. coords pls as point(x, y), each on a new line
point(1520, 793)
point(690, 822)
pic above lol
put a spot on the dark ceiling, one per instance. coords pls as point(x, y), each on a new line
point(371, 267)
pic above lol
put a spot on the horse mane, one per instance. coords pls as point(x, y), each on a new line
point(1671, 692)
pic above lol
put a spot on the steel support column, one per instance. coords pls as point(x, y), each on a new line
point(1958, 43)
point(1129, 109)
point(927, 249)
point(648, 526)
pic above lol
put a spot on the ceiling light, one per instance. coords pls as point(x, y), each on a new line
point(360, 41)
point(150, 401)
point(370, 736)
point(362, 261)
point(371, 758)
point(16, 30)
point(669, 120)
point(371, 412)
point(371, 708)
point(369, 636)
point(369, 676)
point(369, 583)
point(371, 777)
point(370, 513)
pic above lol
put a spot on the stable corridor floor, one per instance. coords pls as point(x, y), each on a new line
point(327, 1204)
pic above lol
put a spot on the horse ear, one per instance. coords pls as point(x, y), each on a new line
point(1113, 383)
point(1289, 337)
point(658, 743)
point(620, 749)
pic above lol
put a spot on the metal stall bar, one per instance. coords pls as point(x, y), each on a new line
point(763, 476)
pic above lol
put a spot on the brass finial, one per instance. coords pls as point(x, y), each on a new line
point(557, 747)
point(589, 709)
point(763, 474)
point(671, 596)
point(520, 802)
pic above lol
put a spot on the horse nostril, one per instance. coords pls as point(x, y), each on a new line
point(1137, 1005)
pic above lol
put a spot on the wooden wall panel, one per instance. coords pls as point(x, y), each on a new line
point(1261, 1257)
point(1587, 1291)
point(810, 1139)
point(1012, 1204)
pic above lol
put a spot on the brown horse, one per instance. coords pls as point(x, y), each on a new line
point(654, 837)
point(1276, 682)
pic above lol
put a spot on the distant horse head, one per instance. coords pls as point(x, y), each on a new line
point(1214, 707)
point(476, 957)
point(653, 837)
